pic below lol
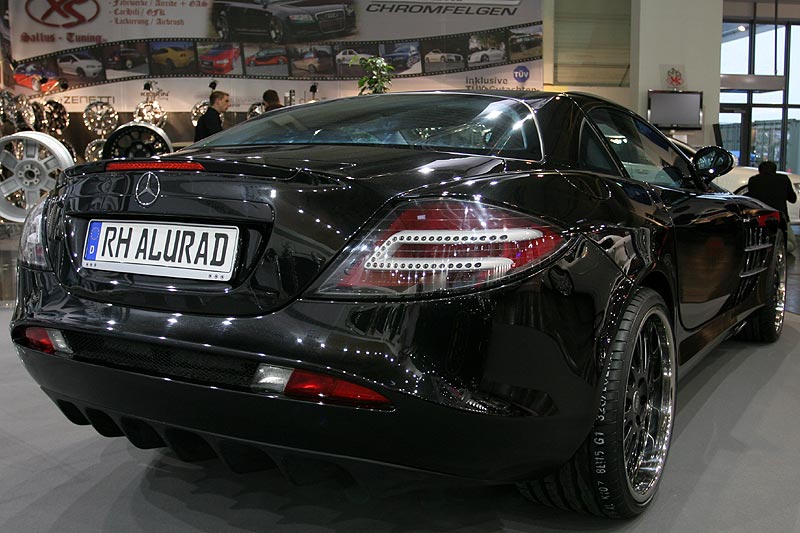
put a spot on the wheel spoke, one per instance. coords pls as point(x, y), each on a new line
point(50, 163)
point(8, 160)
point(32, 197)
point(30, 149)
point(49, 183)
point(10, 185)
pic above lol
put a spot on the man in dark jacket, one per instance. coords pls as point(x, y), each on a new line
point(270, 100)
point(774, 190)
point(211, 122)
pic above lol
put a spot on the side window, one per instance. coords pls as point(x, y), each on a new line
point(644, 153)
point(593, 154)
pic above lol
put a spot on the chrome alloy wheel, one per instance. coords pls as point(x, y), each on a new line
point(649, 405)
point(779, 286)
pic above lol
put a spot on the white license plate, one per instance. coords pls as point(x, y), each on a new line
point(173, 250)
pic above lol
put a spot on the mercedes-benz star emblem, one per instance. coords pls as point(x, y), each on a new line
point(148, 189)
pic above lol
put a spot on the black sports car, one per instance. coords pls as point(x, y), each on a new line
point(500, 287)
point(283, 20)
point(125, 58)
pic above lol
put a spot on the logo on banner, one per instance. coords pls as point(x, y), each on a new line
point(62, 13)
point(521, 74)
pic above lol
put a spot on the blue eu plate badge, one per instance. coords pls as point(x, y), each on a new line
point(93, 240)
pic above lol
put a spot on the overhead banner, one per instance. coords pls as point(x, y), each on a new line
point(71, 48)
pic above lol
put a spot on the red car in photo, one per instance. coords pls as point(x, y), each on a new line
point(220, 59)
point(30, 75)
point(268, 56)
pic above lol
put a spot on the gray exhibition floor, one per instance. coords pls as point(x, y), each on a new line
point(734, 466)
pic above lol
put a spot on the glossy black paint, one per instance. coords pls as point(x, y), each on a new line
point(529, 352)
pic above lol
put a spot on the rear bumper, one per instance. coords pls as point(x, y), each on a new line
point(417, 435)
point(497, 385)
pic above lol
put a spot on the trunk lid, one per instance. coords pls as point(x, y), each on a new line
point(287, 215)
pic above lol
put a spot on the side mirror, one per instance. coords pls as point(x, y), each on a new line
point(711, 162)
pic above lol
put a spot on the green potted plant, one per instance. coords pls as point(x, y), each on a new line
point(377, 74)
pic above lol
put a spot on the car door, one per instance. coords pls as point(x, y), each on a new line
point(708, 227)
point(249, 16)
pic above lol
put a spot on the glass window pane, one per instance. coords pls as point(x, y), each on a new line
point(765, 49)
point(793, 141)
point(794, 66)
point(765, 135)
point(732, 98)
point(735, 48)
point(772, 97)
point(730, 126)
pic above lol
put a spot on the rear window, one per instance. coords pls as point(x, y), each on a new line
point(488, 125)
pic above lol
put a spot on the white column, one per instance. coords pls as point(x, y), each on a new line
point(677, 32)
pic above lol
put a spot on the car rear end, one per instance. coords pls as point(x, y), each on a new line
point(222, 305)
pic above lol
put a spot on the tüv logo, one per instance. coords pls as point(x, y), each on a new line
point(521, 74)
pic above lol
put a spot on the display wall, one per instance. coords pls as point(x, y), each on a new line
point(106, 49)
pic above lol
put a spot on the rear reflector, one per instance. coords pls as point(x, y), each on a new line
point(46, 340)
point(154, 165)
point(304, 385)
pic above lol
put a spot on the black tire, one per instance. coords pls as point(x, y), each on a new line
point(128, 64)
point(222, 26)
point(484, 58)
point(766, 324)
point(170, 65)
point(80, 73)
point(616, 471)
point(312, 69)
point(277, 31)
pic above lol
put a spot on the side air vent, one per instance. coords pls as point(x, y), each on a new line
point(757, 248)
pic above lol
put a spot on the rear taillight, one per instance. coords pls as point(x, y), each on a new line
point(45, 340)
point(154, 165)
point(311, 386)
point(31, 242)
point(429, 246)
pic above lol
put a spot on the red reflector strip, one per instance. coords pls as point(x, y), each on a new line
point(154, 165)
point(763, 219)
point(312, 386)
point(38, 339)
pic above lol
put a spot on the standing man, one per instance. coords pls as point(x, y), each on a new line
point(211, 122)
point(774, 190)
point(270, 100)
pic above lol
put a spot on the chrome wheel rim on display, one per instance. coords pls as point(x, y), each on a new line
point(26, 116)
point(255, 110)
point(8, 108)
point(31, 162)
point(136, 140)
point(649, 405)
point(150, 112)
point(198, 110)
point(41, 121)
point(100, 118)
point(58, 118)
point(94, 150)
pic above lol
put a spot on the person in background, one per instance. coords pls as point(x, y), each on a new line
point(774, 190)
point(211, 122)
point(270, 100)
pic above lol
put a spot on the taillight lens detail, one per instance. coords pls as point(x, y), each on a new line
point(31, 242)
point(436, 245)
point(311, 386)
point(45, 340)
point(154, 165)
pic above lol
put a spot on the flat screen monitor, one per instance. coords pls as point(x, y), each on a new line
point(675, 110)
